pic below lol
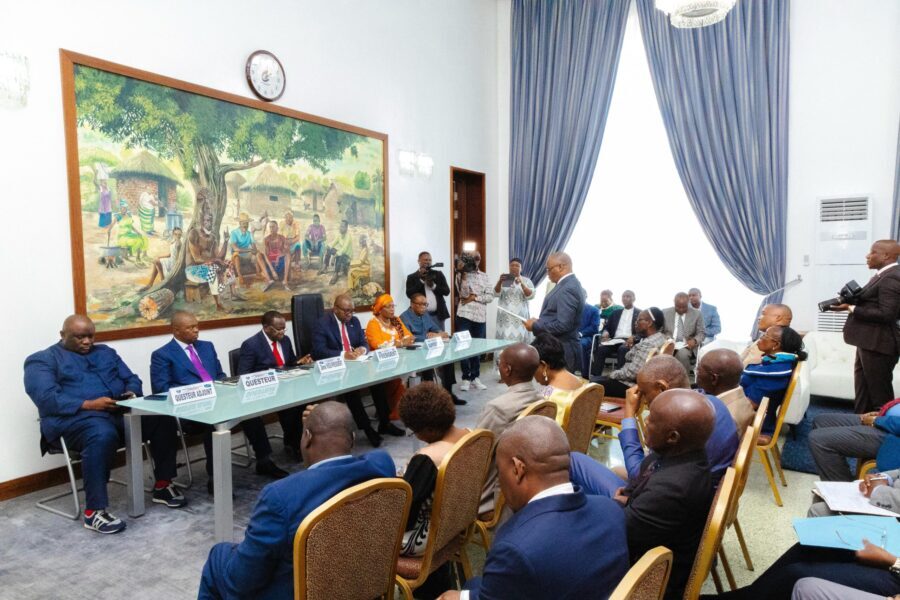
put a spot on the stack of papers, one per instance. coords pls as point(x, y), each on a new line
point(845, 497)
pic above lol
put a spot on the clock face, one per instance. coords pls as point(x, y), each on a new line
point(265, 75)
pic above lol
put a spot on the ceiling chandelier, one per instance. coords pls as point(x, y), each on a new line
point(694, 13)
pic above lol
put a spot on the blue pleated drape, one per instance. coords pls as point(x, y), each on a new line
point(723, 94)
point(565, 54)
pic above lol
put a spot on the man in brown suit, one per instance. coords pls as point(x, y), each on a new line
point(873, 328)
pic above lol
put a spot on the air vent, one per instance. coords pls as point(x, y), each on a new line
point(844, 209)
point(831, 321)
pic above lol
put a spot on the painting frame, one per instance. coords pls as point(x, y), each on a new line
point(69, 61)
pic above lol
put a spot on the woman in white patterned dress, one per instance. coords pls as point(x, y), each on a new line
point(515, 291)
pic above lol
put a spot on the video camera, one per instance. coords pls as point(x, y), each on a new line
point(849, 294)
point(429, 273)
point(465, 263)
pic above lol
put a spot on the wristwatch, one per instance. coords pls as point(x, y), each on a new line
point(895, 568)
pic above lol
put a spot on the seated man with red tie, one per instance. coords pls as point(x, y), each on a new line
point(271, 349)
point(340, 334)
point(186, 360)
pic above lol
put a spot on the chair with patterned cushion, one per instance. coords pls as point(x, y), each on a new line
point(648, 578)
point(454, 510)
point(543, 408)
point(768, 444)
point(330, 561)
point(711, 539)
point(580, 416)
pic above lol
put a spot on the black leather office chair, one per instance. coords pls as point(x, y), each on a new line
point(306, 309)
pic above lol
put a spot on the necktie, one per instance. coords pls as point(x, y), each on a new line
point(195, 360)
point(344, 339)
point(679, 326)
point(279, 362)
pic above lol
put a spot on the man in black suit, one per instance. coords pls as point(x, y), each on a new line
point(561, 312)
point(340, 334)
point(874, 329)
point(618, 328)
point(272, 349)
point(432, 284)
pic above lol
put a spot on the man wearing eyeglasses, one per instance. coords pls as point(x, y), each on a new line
point(561, 312)
point(421, 324)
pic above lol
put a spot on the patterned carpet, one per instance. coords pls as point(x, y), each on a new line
point(795, 453)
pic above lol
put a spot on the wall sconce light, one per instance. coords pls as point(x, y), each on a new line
point(415, 164)
point(14, 80)
point(469, 246)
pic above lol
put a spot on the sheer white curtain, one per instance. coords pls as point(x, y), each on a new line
point(636, 229)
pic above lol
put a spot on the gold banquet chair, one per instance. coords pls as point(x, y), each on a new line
point(543, 408)
point(712, 537)
point(347, 548)
point(454, 510)
point(580, 416)
point(647, 579)
point(769, 443)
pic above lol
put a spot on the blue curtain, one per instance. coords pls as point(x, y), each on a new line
point(723, 94)
point(565, 54)
point(895, 219)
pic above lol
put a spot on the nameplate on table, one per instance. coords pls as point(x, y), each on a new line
point(435, 342)
point(258, 393)
point(334, 364)
point(194, 392)
point(434, 352)
point(260, 379)
point(461, 337)
point(387, 354)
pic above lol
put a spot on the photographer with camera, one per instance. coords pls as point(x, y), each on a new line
point(474, 292)
point(432, 284)
point(872, 326)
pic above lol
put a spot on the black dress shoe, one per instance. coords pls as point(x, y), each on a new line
point(373, 436)
point(458, 401)
point(267, 467)
point(391, 429)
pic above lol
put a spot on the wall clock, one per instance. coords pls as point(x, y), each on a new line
point(265, 75)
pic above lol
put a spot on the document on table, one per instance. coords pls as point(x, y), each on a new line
point(845, 497)
point(848, 531)
point(512, 314)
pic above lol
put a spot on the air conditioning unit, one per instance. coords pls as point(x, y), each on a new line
point(831, 321)
point(843, 230)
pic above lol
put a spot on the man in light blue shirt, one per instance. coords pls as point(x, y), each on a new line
point(711, 322)
point(422, 325)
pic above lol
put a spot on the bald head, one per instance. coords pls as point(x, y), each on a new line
point(185, 327)
point(77, 334)
point(679, 421)
point(882, 254)
point(775, 314)
point(532, 455)
point(659, 374)
point(342, 298)
point(328, 431)
point(558, 265)
point(719, 371)
point(518, 363)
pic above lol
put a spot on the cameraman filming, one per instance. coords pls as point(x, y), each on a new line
point(432, 284)
point(873, 328)
point(474, 292)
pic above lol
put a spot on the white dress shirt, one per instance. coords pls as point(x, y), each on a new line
point(623, 331)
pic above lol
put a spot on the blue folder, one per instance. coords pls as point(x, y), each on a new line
point(848, 531)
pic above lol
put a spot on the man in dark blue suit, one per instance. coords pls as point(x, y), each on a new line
point(560, 543)
point(272, 349)
point(621, 325)
point(589, 327)
point(186, 360)
point(262, 566)
point(340, 334)
point(75, 385)
point(561, 312)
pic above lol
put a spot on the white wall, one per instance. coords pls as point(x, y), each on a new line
point(423, 72)
point(844, 107)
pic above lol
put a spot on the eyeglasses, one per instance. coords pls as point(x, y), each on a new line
point(551, 267)
point(420, 304)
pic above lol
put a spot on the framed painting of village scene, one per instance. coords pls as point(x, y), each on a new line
point(183, 197)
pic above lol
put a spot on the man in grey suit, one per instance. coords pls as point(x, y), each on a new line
point(684, 324)
point(561, 312)
point(517, 365)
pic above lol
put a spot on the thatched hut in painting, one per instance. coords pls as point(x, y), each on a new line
point(311, 195)
point(357, 207)
point(270, 192)
point(145, 173)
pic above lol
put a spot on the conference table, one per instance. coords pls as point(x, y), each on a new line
point(232, 404)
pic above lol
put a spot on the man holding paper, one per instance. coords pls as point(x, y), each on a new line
point(561, 312)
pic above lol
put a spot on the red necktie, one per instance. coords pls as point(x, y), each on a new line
point(279, 362)
point(345, 339)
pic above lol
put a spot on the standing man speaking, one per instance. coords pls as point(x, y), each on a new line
point(873, 328)
point(561, 312)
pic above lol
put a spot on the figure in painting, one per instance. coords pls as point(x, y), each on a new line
point(278, 256)
point(163, 265)
point(342, 250)
point(129, 237)
point(203, 264)
point(147, 205)
point(360, 269)
point(244, 252)
point(315, 240)
point(104, 203)
point(290, 229)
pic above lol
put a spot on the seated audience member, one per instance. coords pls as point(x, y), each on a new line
point(272, 349)
point(385, 330)
point(186, 360)
point(422, 325)
point(75, 385)
point(340, 334)
point(262, 565)
point(560, 543)
point(649, 322)
point(428, 411)
point(607, 306)
point(712, 326)
point(590, 326)
point(835, 437)
point(782, 349)
point(882, 490)
point(517, 364)
point(719, 374)
point(684, 325)
point(621, 325)
point(557, 383)
point(815, 588)
point(772, 314)
point(871, 570)
point(668, 502)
